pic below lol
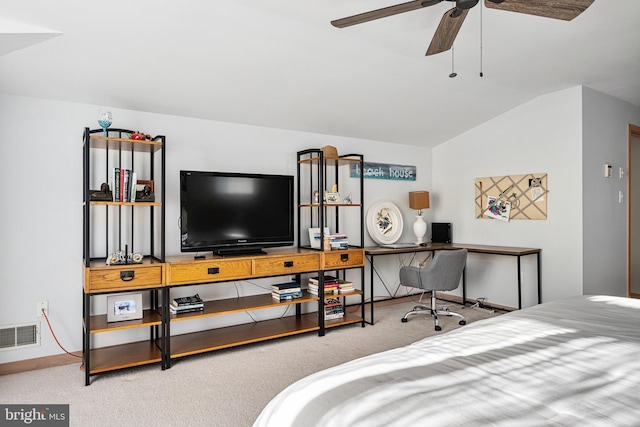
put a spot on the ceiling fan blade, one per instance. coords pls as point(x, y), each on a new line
point(557, 9)
point(447, 31)
point(383, 13)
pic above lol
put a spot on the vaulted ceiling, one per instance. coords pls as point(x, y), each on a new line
point(279, 63)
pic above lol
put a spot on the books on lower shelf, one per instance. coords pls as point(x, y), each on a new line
point(186, 304)
point(286, 291)
point(332, 286)
point(333, 309)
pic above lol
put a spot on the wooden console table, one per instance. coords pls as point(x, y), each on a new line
point(184, 270)
point(373, 251)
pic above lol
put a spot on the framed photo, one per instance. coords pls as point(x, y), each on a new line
point(314, 236)
point(124, 307)
point(332, 197)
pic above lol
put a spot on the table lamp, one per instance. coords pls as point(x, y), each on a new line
point(419, 200)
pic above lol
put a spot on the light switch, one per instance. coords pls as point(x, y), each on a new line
point(607, 170)
point(620, 196)
point(621, 171)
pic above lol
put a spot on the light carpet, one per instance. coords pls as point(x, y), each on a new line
point(224, 388)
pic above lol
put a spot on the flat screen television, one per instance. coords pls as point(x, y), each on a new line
point(235, 213)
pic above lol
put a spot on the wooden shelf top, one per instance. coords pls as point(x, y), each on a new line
point(331, 160)
point(100, 141)
point(99, 322)
point(141, 204)
point(316, 205)
point(124, 356)
point(238, 305)
point(231, 336)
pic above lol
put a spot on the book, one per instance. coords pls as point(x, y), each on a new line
point(286, 296)
point(345, 287)
point(327, 280)
point(329, 302)
point(121, 193)
point(133, 179)
point(286, 287)
point(327, 291)
point(116, 185)
point(286, 291)
point(185, 310)
point(189, 300)
point(186, 306)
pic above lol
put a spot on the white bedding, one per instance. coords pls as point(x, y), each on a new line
point(571, 362)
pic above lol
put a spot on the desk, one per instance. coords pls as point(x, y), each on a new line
point(373, 251)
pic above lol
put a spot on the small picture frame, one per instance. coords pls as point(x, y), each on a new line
point(332, 197)
point(122, 307)
point(314, 236)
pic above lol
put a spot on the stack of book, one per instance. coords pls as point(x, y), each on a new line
point(286, 291)
point(186, 304)
point(331, 285)
point(345, 287)
point(339, 241)
point(333, 309)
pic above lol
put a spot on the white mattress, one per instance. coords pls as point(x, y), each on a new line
point(571, 362)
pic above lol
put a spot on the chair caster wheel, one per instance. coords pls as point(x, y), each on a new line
point(404, 320)
point(438, 328)
point(462, 322)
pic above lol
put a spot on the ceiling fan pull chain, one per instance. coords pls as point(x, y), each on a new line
point(481, 73)
point(453, 73)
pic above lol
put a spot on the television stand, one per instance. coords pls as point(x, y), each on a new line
point(184, 271)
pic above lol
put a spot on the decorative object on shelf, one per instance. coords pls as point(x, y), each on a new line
point(331, 197)
point(348, 199)
point(102, 195)
point(329, 152)
point(145, 191)
point(419, 200)
point(139, 136)
point(314, 236)
point(122, 257)
point(384, 222)
point(316, 196)
point(124, 307)
point(104, 120)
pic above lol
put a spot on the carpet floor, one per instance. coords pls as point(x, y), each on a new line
point(224, 388)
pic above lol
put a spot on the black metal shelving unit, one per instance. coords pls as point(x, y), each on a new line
point(317, 173)
point(120, 151)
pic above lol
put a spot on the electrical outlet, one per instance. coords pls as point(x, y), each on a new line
point(43, 306)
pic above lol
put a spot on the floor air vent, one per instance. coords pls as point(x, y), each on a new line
point(19, 336)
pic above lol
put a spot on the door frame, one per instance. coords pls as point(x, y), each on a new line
point(634, 132)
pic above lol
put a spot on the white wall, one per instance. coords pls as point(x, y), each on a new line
point(541, 136)
point(605, 128)
point(41, 214)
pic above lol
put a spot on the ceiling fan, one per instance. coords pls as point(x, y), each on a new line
point(452, 20)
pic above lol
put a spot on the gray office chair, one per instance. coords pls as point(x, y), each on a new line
point(443, 273)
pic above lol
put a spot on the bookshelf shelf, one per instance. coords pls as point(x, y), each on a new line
point(232, 336)
point(124, 356)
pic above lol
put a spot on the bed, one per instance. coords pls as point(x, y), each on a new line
point(569, 362)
